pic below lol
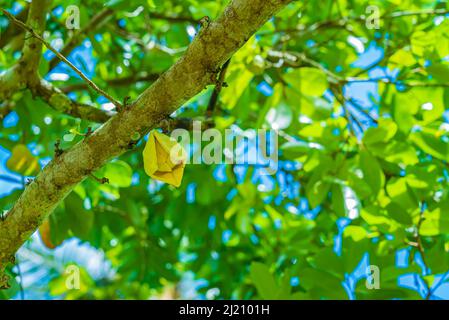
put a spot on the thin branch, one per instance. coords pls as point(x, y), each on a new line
point(336, 90)
point(60, 102)
point(360, 108)
point(412, 13)
point(56, 99)
point(159, 16)
point(75, 39)
point(389, 81)
point(151, 45)
point(123, 81)
point(343, 22)
point(22, 73)
point(60, 56)
point(298, 60)
point(13, 30)
point(32, 48)
point(103, 180)
point(217, 89)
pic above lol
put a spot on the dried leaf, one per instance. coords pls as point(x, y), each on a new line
point(164, 159)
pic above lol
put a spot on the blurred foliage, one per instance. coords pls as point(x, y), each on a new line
point(379, 169)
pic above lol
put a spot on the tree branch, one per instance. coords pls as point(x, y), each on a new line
point(41, 41)
point(10, 82)
point(56, 99)
point(213, 46)
point(18, 77)
point(123, 81)
point(342, 23)
point(32, 48)
point(159, 16)
point(13, 30)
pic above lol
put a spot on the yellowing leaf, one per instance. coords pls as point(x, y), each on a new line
point(44, 232)
point(22, 161)
point(164, 159)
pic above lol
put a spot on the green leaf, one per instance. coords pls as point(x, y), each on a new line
point(439, 71)
point(263, 280)
point(400, 192)
point(431, 145)
point(356, 233)
point(118, 172)
point(436, 221)
point(372, 172)
point(308, 81)
point(383, 133)
point(81, 220)
point(293, 149)
point(399, 214)
point(316, 192)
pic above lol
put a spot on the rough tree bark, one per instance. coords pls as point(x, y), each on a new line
point(213, 46)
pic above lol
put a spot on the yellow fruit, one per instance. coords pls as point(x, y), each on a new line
point(164, 159)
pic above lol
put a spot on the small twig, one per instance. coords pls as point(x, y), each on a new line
point(72, 42)
point(61, 57)
point(440, 282)
point(336, 90)
point(332, 76)
point(158, 16)
point(204, 22)
point(218, 87)
point(294, 59)
point(99, 180)
point(125, 103)
point(123, 81)
point(388, 81)
point(344, 21)
point(89, 131)
point(11, 31)
point(359, 107)
point(58, 150)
